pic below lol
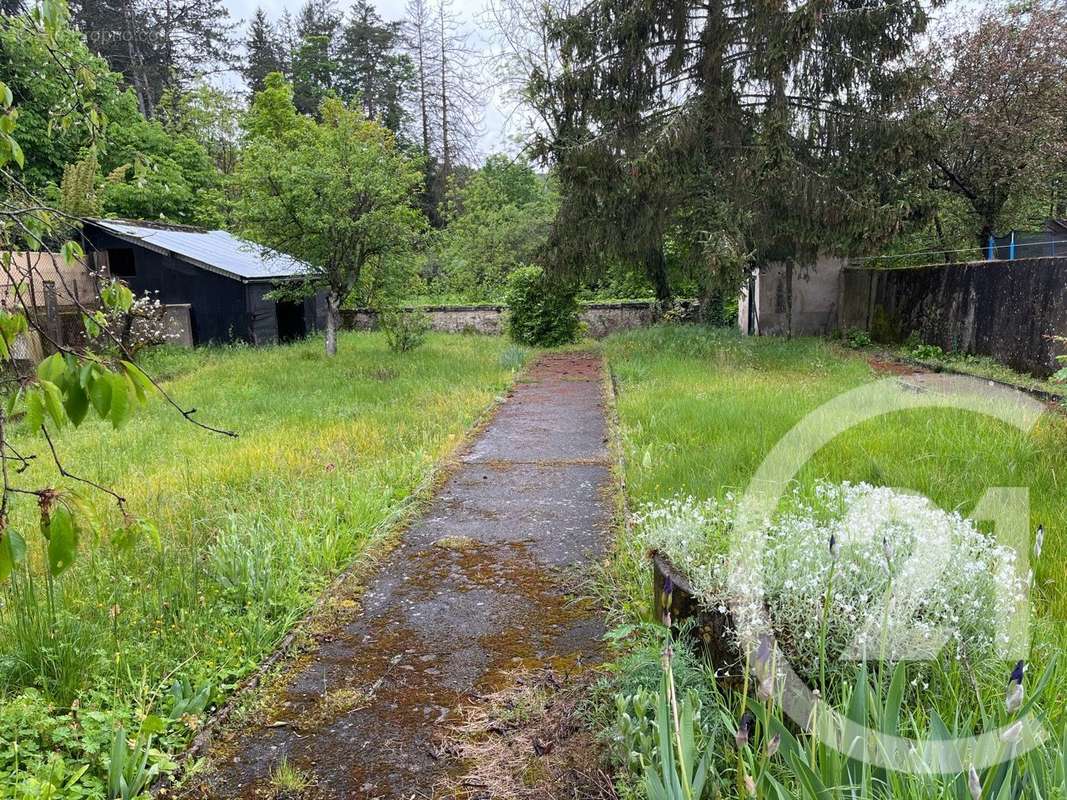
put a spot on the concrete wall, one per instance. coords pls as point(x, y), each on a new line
point(1003, 309)
point(816, 294)
point(601, 319)
point(178, 324)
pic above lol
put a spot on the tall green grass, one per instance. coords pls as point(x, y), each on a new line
point(701, 409)
point(247, 532)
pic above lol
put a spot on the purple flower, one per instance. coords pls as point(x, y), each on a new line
point(1017, 673)
point(763, 652)
point(744, 729)
point(668, 586)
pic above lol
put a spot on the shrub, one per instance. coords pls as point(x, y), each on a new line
point(405, 329)
point(884, 329)
point(513, 357)
point(915, 347)
point(943, 575)
point(927, 352)
point(857, 339)
point(142, 325)
point(543, 313)
point(1061, 376)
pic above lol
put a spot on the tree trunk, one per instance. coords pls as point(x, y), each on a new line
point(941, 239)
point(656, 270)
point(789, 299)
point(333, 321)
point(983, 241)
point(446, 144)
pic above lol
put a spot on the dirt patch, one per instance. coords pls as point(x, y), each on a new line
point(884, 367)
point(529, 741)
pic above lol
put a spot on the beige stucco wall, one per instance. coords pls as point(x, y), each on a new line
point(816, 295)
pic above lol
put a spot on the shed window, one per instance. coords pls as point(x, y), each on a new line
point(120, 262)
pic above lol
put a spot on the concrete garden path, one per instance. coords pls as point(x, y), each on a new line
point(478, 587)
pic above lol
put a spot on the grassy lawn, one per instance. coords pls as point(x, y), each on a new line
point(700, 411)
point(248, 531)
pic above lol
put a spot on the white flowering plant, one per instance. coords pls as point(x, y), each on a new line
point(859, 572)
point(141, 325)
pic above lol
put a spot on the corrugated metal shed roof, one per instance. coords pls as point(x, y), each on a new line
point(218, 251)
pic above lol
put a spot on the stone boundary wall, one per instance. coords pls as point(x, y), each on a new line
point(602, 319)
point(1003, 309)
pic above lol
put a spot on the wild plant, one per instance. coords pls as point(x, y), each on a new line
point(128, 771)
point(677, 768)
point(853, 571)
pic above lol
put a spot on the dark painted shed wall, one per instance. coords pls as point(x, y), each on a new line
point(221, 309)
point(218, 308)
point(1003, 309)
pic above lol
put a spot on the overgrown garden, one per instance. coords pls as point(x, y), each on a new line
point(168, 516)
point(698, 414)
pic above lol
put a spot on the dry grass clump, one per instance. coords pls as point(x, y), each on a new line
point(528, 742)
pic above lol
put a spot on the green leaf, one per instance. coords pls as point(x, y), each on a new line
point(94, 323)
point(52, 368)
point(13, 400)
point(71, 252)
point(17, 154)
point(153, 724)
point(34, 409)
point(100, 394)
point(141, 384)
point(12, 552)
point(76, 403)
point(11, 325)
point(117, 296)
point(53, 402)
point(891, 710)
point(62, 536)
point(120, 399)
point(814, 789)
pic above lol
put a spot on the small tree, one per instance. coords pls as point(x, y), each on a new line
point(498, 219)
point(998, 100)
point(337, 194)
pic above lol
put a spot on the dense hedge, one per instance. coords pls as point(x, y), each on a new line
point(542, 312)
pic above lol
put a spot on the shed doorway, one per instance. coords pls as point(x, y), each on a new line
point(291, 322)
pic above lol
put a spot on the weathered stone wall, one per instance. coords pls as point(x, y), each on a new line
point(1003, 309)
point(446, 319)
point(602, 319)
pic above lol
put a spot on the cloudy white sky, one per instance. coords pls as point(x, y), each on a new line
point(496, 132)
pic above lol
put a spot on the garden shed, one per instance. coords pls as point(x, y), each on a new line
point(222, 278)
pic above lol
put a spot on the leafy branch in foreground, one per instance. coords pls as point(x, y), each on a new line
point(100, 376)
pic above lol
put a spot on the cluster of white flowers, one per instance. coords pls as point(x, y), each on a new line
point(143, 325)
point(861, 572)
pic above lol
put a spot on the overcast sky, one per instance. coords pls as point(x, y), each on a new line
point(494, 135)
